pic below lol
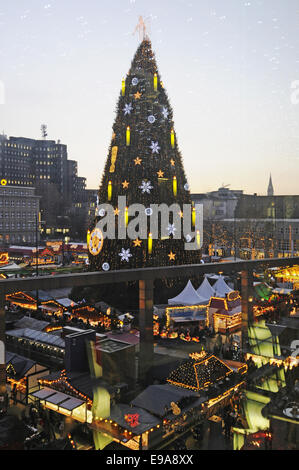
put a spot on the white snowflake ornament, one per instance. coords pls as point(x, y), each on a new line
point(106, 266)
point(135, 81)
point(128, 108)
point(165, 112)
point(155, 147)
point(171, 229)
point(186, 187)
point(125, 255)
point(146, 187)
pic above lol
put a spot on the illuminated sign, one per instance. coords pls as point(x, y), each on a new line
point(95, 243)
point(3, 258)
point(234, 295)
point(132, 420)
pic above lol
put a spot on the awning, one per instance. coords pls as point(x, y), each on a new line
point(282, 291)
point(49, 308)
point(44, 393)
point(60, 399)
point(72, 403)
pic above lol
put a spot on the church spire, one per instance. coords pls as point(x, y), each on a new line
point(270, 187)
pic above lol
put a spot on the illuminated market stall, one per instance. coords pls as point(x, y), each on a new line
point(288, 275)
point(225, 313)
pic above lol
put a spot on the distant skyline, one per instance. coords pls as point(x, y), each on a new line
point(227, 66)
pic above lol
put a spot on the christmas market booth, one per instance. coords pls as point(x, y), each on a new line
point(269, 300)
point(196, 390)
point(183, 317)
point(69, 394)
point(225, 313)
point(205, 373)
point(45, 299)
point(22, 375)
point(288, 276)
point(24, 300)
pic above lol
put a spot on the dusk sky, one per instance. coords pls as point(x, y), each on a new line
point(227, 66)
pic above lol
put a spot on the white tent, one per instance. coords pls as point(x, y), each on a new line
point(205, 290)
point(221, 287)
point(188, 296)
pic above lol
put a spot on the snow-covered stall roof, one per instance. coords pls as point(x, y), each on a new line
point(221, 287)
point(205, 290)
point(188, 296)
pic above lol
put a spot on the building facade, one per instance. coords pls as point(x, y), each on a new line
point(44, 165)
point(249, 226)
point(19, 209)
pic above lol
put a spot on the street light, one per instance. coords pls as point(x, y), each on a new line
point(38, 223)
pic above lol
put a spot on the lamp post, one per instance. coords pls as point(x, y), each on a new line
point(37, 227)
point(38, 223)
point(65, 240)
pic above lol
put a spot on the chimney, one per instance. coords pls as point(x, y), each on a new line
point(76, 359)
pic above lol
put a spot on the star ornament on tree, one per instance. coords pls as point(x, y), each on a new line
point(128, 108)
point(137, 161)
point(171, 256)
point(137, 95)
point(137, 242)
point(155, 147)
point(125, 255)
point(160, 174)
point(146, 187)
point(125, 184)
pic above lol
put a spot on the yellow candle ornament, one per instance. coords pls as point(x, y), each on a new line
point(175, 186)
point(109, 191)
point(155, 82)
point(198, 238)
point(123, 87)
point(172, 138)
point(88, 237)
point(193, 216)
point(126, 216)
point(128, 136)
point(150, 244)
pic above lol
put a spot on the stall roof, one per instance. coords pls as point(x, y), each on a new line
point(32, 323)
point(205, 290)
point(262, 290)
point(282, 291)
point(20, 364)
point(58, 398)
point(146, 421)
point(82, 382)
point(66, 302)
point(221, 288)
point(44, 393)
point(188, 296)
point(197, 373)
point(72, 403)
point(157, 399)
point(37, 336)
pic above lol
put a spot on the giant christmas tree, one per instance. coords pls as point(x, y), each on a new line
point(145, 165)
